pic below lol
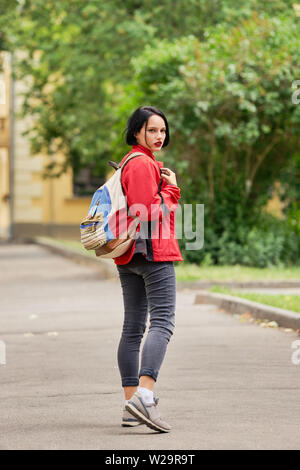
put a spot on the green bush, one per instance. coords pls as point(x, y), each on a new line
point(271, 242)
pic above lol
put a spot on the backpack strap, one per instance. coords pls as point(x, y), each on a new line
point(116, 166)
point(132, 155)
point(113, 164)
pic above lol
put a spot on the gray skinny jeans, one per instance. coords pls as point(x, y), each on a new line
point(146, 285)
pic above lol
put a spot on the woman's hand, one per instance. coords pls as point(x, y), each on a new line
point(168, 175)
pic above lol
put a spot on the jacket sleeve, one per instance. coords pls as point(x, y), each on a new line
point(140, 181)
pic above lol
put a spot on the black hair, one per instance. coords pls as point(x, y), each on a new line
point(136, 121)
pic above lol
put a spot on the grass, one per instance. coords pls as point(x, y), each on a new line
point(287, 302)
point(193, 272)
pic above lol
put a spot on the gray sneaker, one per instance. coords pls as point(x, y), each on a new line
point(148, 414)
point(128, 421)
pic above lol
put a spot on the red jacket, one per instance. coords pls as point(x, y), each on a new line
point(140, 180)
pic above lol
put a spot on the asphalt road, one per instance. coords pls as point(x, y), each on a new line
point(224, 384)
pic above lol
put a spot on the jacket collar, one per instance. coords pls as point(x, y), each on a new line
point(141, 148)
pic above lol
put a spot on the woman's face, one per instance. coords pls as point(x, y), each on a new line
point(155, 134)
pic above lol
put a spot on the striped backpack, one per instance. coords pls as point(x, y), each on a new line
point(105, 227)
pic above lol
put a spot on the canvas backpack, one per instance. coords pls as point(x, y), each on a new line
point(98, 229)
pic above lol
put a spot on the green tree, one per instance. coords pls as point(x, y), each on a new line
point(235, 127)
point(229, 99)
point(76, 57)
point(7, 11)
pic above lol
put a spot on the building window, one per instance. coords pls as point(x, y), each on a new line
point(85, 182)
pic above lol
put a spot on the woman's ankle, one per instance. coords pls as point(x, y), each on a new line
point(147, 382)
point(129, 392)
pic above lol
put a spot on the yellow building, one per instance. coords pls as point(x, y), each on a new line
point(29, 204)
point(5, 170)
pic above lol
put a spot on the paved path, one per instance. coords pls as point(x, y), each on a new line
point(224, 384)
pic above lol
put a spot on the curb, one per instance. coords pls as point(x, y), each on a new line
point(104, 266)
point(284, 318)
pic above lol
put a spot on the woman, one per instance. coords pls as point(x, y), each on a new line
point(146, 270)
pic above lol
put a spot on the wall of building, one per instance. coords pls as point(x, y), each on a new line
point(40, 206)
point(4, 147)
